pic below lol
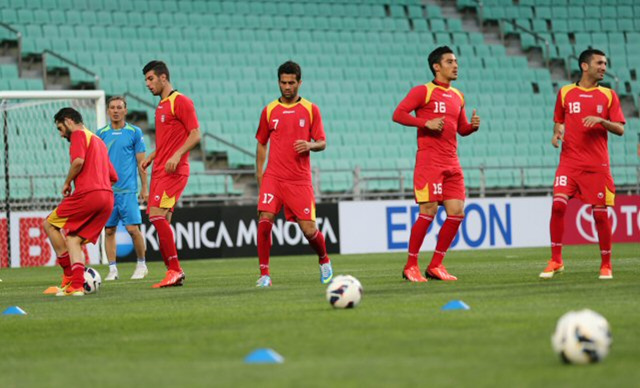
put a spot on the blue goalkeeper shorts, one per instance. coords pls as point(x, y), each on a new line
point(125, 209)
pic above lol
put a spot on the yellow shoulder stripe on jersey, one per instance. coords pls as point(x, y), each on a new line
point(270, 107)
point(430, 88)
point(607, 92)
point(88, 135)
point(308, 106)
point(459, 93)
point(566, 89)
point(172, 100)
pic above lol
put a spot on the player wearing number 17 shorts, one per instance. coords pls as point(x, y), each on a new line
point(437, 178)
point(294, 127)
point(585, 112)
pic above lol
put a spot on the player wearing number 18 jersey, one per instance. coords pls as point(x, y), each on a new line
point(585, 112)
point(289, 123)
point(437, 178)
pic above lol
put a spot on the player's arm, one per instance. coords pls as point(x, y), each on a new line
point(261, 157)
point(318, 135)
point(192, 140)
point(302, 146)
point(113, 175)
point(148, 160)
point(558, 119)
point(466, 128)
point(611, 126)
point(403, 113)
point(144, 188)
point(74, 170)
point(558, 134)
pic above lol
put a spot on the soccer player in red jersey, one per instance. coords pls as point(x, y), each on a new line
point(585, 112)
point(177, 132)
point(294, 127)
point(83, 212)
point(437, 178)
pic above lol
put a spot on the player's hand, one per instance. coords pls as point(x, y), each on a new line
point(172, 164)
point(301, 146)
point(66, 190)
point(475, 120)
point(435, 124)
point(144, 194)
point(557, 137)
point(591, 121)
point(145, 163)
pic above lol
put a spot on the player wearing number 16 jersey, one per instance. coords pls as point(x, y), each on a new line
point(289, 123)
point(585, 112)
point(437, 178)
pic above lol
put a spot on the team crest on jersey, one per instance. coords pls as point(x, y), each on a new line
point(302, 122)
point(600, 108)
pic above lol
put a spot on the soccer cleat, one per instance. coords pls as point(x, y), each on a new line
point(113, 274)
point(439, 273)
point(66, 282)
point(605, 273)
point(173, 278)
point(139, 273)
point(71, 291)
point(264, 281)
point(553, 267)
point(413, 274)
point(326, 273)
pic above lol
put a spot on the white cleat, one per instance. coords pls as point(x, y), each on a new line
point(113, 275)
point(139, 273)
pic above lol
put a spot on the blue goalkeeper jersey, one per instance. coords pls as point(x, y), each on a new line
point(123, 145)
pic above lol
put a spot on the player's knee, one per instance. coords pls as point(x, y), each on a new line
point(558, 208)
point(132, 230)
point(309, 231)
point(600, 214)
point(110, 231)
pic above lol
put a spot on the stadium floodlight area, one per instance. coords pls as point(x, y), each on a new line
point(34, 161)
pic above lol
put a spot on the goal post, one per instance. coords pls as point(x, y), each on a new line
point(34, 161)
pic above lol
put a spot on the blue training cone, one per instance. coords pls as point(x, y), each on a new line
point(14, 310)
point(456, 305)
point(264, 356)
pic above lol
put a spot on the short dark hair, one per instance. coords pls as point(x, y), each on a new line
point(158, 67)
point(290, 67)
point(436, 56)
point(586, 55)
point(68, 113)
point(117, 98)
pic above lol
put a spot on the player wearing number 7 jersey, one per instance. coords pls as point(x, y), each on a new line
point(437, 178)
point(585, 112)
point(290, 123)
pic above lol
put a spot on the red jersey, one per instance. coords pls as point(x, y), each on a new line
point(283, 125)
point(582, 147)
point(432, 101)
point(175, 119)
point(97, 171)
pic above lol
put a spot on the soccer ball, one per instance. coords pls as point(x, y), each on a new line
point(92, 280)
point(344, 292)
point(582, 337)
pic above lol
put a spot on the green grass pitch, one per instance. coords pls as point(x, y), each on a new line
point(199, 334)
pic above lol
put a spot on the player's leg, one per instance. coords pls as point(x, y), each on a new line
point(60, 248)
point(265, 224)
point(600, 196)
point(110, 247)
point(603, 227)
point(448, 231)
point(132, 219)
point(74, 246)
point(564, 188)
point(318, 244)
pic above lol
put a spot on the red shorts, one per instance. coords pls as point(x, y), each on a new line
point(432, 183)
point(593, 188)
point(84, 215)
point(299, 201)
point(165, 190)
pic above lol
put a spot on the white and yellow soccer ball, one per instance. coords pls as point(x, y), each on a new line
point(92, 280)
point(344, 292)
point(582, 337)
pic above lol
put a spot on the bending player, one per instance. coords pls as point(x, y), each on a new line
point(84, 211)
point(290, 123)
point(585, 112)
point(437, 178)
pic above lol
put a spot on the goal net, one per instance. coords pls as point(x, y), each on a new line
point(34, 161)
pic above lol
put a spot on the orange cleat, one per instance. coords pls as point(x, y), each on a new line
point(439, 273)
point(66, 282)
point(605, 273)
point(71, 291)
point(553, 267)
point(172, 279)
point(413, 274)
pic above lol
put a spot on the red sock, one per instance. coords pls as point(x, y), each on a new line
point(319, 246)
point(264, 245)
point(418, 231)
point(65, 263)
point(556, 227)
point(445, 237)
point(601, 215)
point(167, 243)
point(77, 281)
